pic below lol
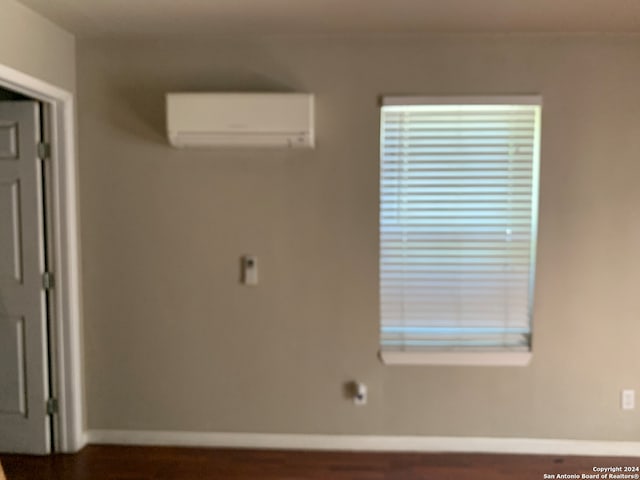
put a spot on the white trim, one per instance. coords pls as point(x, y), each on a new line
point(473, 359)
point(463, 100)
point(366, 443)
point(65, 233)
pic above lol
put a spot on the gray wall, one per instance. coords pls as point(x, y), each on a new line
point(34, 45)
point(174, 342)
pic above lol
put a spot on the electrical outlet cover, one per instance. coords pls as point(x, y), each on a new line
point(628, 399)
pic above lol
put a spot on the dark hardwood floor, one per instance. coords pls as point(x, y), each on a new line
point(98, 462)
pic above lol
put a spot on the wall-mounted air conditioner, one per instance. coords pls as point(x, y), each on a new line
point(240, 120)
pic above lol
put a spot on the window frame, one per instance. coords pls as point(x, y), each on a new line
point(499, 356)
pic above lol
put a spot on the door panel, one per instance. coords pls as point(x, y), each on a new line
point(13, 395)
point(24, 389)
point(11, 253)
point(9, 141)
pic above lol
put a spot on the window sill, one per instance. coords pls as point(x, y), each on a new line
point(453, 358)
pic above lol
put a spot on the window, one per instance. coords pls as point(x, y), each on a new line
point(458, 219)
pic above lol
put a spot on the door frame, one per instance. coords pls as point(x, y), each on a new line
point(66, 345)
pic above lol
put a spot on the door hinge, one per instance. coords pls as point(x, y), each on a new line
point(44, 150)
point(52, 406)
point(48, 281)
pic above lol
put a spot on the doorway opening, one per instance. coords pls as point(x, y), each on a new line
point(41, 236)
point(27, 405)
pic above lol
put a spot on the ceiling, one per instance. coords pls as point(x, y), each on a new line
point(153, 18)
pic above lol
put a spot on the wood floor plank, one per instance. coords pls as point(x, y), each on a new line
point(102, 462)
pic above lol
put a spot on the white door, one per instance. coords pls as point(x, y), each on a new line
point(24, 387)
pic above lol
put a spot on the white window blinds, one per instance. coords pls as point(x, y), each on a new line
point(458, 216)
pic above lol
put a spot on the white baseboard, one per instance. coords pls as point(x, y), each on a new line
point(366, 443)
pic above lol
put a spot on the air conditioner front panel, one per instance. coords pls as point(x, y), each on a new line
point(238, 119)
